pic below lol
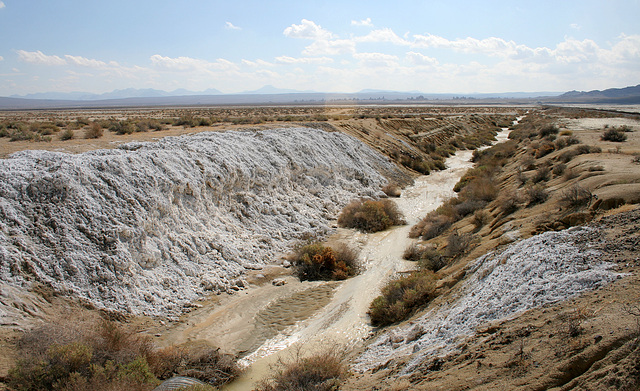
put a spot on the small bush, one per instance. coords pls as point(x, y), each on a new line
point(323, 371)
point(558, 169)
point(94, 131)
point(432, 259)
point(548, 130)
point(314, 261)
point(480, 218)
point(370, 215)
point(576, 197)
point(67, 135)
point(542, 174)
point(431, 226)
point(615, 135)
point(400, 297)
point(458, 244)
point(536, 195)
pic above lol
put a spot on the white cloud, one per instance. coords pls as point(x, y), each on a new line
point(257, 63)
point(364, 22)
point(382, 35)
point(491, 46)
point(38, 57)
point(2, 5)
point(86, 62)
point(230, 26)
point(191, 64)
point(1, 58)
point(575, 26)
point(303, 60)
point(334, 47)
point(421, 60)
point(307, 30)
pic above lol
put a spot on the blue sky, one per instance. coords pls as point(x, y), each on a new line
point(330, 46)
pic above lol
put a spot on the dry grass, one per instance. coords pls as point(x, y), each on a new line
point(323, 371)
point(314, 261)
point(108, 356)
point(401, 296)
point(370, 215)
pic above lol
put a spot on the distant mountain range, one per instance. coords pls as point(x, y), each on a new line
point(628, 95)
point(132, 97)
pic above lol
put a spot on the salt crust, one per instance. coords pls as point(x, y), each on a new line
point(149, 227)
point(543, 269)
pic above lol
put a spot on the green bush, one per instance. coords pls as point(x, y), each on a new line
point(314, 261)
point(401, 296)
point(370, 215)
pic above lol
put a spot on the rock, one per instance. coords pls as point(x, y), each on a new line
point(286, 263)
point(509, 237)
point(279, 282)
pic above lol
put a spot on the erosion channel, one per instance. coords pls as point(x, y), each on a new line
point(265, 323)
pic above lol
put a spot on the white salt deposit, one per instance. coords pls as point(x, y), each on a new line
point(543, 269)
point(149, 227)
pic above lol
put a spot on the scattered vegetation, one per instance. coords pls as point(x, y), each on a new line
point(108, 356)
point(370, 215)
point(315, 261)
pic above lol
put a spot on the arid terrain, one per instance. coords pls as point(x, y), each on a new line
point(565, 315)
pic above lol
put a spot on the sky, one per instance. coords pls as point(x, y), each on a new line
point(448, 46)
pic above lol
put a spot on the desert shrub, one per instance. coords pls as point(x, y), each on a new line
point(432, 259)
point(458, 244)
point(370, 215)
point(94, 131)
point(401, 296)
point(541, 174)
point(426, 257)
point(558, 169)
point(548, 130)
point(480, 218)
point(536, 194)
point(544, 149)
point(67, 135)
point(509, 203)
point(122, 127)
point(323, 371)
point(106, 356)
point(576, 196)
point(615, 135)
point(392, 190)
point(431, 226)
point(314, 261)
point(22, 135)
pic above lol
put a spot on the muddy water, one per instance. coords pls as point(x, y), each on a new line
point(271, 323)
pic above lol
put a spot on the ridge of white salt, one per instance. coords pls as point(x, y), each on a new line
point(543, 269)
point(150, 227)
